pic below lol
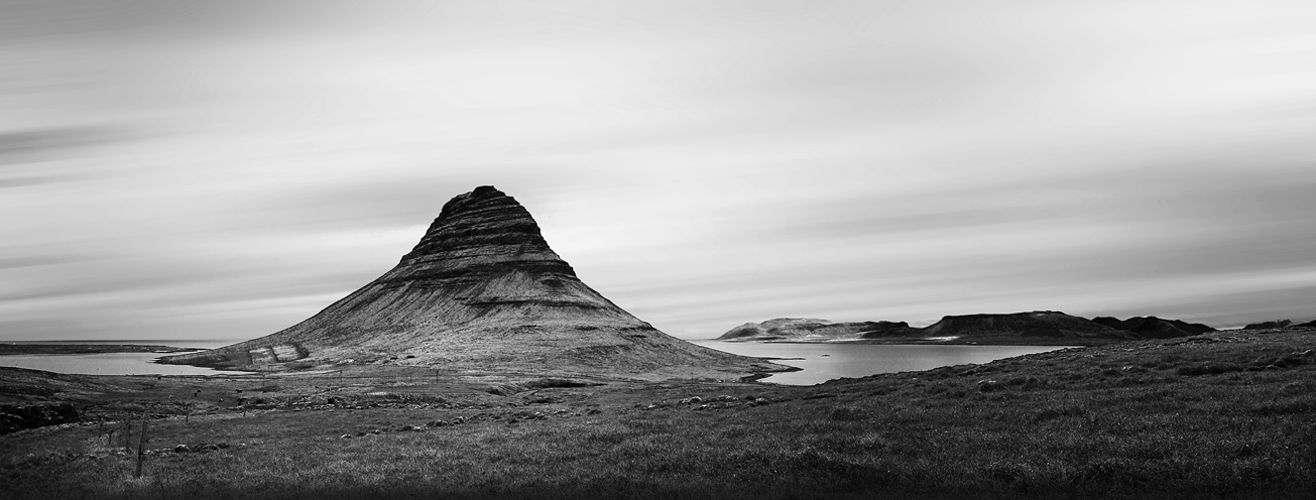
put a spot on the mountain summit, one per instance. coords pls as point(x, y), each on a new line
point(481, 291)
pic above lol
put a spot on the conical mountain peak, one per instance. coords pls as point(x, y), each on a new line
point(481, 232)
point(481, 291)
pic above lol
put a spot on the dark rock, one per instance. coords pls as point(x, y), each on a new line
point(28, 416)
point(182, 448)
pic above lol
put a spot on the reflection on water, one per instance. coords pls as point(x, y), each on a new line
point(119, 363)
point(823, 362)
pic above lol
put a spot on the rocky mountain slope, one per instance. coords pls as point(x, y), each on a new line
point(481, 291)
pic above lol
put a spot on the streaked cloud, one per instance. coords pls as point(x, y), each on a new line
point(226, 169)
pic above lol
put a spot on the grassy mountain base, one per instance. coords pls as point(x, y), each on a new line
point(1222, 415)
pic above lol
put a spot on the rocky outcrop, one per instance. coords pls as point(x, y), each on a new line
point(481, 290)
point(812, 330)
point(27, 416)
point(1151, 327)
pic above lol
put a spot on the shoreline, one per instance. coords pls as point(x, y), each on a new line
point(64, 348)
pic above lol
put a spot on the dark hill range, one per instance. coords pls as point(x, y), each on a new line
point(1038, 327)
point(1151, 327)
point(481, 291)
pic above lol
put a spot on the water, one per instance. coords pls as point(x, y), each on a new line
point(820, 362)
point(823, 362)
point(118, 363)
point(199, 344)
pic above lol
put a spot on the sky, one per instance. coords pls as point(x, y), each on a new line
point(223, 170)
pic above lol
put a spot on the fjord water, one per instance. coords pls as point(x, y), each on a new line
point(823, 362)
point(118, 363)
point(820, 362)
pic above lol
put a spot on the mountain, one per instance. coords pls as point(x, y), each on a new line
point(482, 290)
point(1151, 327)
point(811, 330)
point(1036, 325)
point(1283, 323)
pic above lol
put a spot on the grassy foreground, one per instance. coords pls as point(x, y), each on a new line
point(1224, 415)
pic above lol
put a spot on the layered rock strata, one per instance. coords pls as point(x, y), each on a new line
point(481, 291)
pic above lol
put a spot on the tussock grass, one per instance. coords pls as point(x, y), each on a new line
point(1122, 421)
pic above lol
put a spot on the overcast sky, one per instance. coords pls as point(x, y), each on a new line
point(223, 170)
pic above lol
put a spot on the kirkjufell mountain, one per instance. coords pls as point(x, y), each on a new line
point(482, 290)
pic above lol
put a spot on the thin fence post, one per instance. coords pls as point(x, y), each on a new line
point(141, 449)
point(127, 436)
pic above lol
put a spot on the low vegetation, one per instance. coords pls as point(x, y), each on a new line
point(1222, 415)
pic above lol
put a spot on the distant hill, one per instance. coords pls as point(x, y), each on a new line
point(1265, 325)
point(1039, 325)
point(1152, 327)
point(1036, 327)
point(481, 291)
point(812, 330)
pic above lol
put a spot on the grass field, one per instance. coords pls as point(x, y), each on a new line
point(1225, 415)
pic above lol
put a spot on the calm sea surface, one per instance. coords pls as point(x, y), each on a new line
point(823, 362)
point(118, 363)
point(820, 362)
